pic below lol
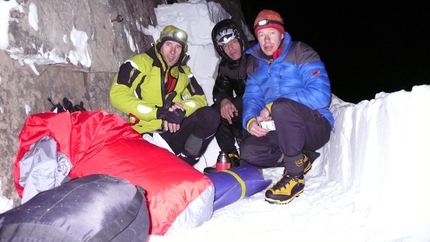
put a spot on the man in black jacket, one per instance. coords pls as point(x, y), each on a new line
point(231, 43)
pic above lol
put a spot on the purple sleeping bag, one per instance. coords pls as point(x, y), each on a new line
point(90, 208)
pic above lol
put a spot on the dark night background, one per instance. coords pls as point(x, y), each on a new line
point(367, 47)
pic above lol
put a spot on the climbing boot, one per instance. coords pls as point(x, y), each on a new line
point(286, 189)
point(308, 159)
point(234, 159)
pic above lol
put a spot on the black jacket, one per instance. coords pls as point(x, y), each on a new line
point(230, 80)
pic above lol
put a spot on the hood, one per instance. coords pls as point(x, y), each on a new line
point(238, 32)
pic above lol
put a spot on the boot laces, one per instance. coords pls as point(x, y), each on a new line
point(286, 179)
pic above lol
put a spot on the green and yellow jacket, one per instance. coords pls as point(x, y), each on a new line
point(141, 85)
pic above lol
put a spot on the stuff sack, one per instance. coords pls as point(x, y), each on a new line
point(237, 183)
point(91, 208)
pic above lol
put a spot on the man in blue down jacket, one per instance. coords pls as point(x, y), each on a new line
point(287, 85)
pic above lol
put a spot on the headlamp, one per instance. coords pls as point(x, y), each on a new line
point(179, 35)
point(265, 22)
point(174, 33)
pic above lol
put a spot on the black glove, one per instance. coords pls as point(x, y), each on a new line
point(162, 111)
point(176, 116)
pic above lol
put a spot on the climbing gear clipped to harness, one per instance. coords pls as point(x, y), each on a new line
point(66, 105)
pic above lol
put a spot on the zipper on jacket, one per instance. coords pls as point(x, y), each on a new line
point(162, 81)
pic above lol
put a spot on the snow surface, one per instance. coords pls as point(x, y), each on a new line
point(371, 182)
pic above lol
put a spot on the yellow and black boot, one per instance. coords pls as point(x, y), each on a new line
point(308, 159)
point(286, 189)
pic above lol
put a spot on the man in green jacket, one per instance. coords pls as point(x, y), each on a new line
point(158, 92)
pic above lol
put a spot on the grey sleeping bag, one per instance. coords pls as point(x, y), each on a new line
point(90, 208)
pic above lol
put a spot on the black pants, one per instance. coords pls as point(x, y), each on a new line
point(201, 125)
point(227, 134)
point(297, 128)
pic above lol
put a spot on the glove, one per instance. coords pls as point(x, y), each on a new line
point(176, 116)
point(164, 110)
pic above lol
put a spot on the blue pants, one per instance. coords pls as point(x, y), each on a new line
point(298, 128)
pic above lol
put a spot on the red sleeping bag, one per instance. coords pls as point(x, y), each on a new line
point(178, 196)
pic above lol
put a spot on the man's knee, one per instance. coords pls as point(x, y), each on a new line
point(209, 116)
point(283, 106)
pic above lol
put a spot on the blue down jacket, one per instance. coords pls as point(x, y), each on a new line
point(297, 73)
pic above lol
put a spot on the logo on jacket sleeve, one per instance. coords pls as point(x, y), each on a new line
point(316, 72)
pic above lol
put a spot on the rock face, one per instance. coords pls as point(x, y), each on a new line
point(70, 49)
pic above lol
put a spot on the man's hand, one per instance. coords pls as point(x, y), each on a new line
point(175, 114)
point(171, 112)
point(256, 130)
point(168, 103)
point(265, 114)
point(171, 125)
point(228, 110)
point(176, 106)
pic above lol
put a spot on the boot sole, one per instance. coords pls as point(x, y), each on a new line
point(282, 202)
point(209, 170)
